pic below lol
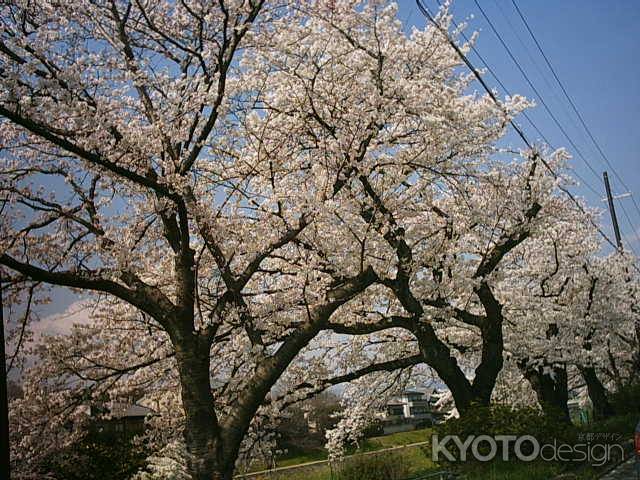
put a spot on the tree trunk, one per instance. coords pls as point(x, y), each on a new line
point(492, 360)
point(597, 393)
point(552, 391)
point(201, 432)
point(438, 356)
point(465, 393)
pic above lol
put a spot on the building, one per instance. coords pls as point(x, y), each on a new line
point(124, 419)
point(407, 411)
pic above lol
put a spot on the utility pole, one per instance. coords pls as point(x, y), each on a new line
point(612, 211)
point(5, 470)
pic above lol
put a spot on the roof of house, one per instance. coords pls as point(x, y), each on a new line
point(136, 410)
point(128, 410)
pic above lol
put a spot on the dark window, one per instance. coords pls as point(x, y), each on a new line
point(395, 410)
point(419, 410)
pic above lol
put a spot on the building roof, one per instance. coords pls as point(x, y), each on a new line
point(128, 410)
point(136, 410)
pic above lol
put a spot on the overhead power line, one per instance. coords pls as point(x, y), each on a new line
point(554, 118)
point(573, 105)
point(634, 233)
point(425, 11)
point(524, 113)
point(539, 69)
point(535, 90)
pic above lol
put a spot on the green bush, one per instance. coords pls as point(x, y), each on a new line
point(505, 420)
point(374, 429)
point(627, 400)
point(388, 466)
point(426, 423)
point(622, 425)
point(97, 457)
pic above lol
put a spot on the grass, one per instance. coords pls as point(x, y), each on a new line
point(396, 439)
point(369, 445)
point(417, 458)
point(296, 458)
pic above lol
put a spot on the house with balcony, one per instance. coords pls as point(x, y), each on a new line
point(408, 410)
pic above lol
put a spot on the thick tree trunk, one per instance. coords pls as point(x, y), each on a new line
point(201, 432)
point(492, 360)
point(549, 382)
point(552, 391)
point(597, 393)
point(438, 356)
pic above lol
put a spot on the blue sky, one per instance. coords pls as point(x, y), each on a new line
point(593, 46)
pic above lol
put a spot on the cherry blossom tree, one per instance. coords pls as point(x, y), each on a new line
point(456, 249)
point(213, 175)
point(234, 186)
point(567, 312)
point(577, 314)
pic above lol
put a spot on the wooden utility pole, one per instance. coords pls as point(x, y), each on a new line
point(612, 211)
point(5, 470)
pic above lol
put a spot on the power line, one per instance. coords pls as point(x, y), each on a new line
point(573, 105)
point(497, 79)
point(524, 113)
point(578, 151)
point(535, 90)
point(539, 69)
point(634, 232)
point(425, 11)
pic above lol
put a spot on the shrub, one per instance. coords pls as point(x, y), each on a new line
point(627, 399)
point(426, 423)
point(622, 425)
point(374, 429)
point(505, 420)
point(97, 457)
point(387, 466)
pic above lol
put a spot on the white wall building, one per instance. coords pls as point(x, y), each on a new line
point(407, 411)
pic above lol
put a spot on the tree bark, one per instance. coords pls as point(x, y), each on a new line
point(552, 391)
point(201, 432)
point(635, 374)
point(438, 356)
point(465, 394)
point(492, 359)
point(597, 393)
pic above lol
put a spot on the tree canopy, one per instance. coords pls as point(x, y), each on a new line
point(261, 199)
